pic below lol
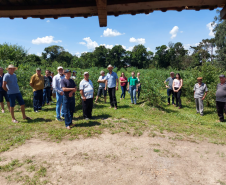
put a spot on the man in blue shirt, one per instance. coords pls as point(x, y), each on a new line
point(169, 87)
point(112, 82)
point(59, 92)
point(11, 87)
point(3, 93)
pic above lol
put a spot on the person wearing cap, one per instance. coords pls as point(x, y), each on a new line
point(37, 83)
point(47, 88)
point(221, 98)
point(112, 83)
point(200, 92)
point(69, 87)
point(102, 86)
point(87, 94)
point(59, 92)
point(73, 76)
point(10, 85)
point(169, 87)
point(3, 93)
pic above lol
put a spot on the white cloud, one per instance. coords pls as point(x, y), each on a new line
point(45, 40)
point(39, 54)
point(107, 46)
point(139, 41)
point(89, 43)
point(48, 21)
point(149, 49)
point(111, 33)
point(77, 53)
point(130, 48)
point(174, 32)
point(124, 47)
point(211, 27)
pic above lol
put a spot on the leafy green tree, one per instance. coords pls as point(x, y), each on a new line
point(52, 52)
point(33, 59)
point(116, 56)
point(100, 56)
point(65, 56)
point(162, 57)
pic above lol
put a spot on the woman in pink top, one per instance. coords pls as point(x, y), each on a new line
point(123, 83)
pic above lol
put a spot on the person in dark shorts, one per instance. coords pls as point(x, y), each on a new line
point(102, 86)
point(221, 98)
point(3, 93)
point(10, 85)
point(69, 87)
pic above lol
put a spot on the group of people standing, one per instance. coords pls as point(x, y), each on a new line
point(64, 86)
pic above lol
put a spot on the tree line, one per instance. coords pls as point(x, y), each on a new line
point(173, 55)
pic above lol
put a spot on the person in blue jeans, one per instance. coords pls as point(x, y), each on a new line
point(132, 87)
point(69, 87)
point(169, 87)
point(10, 85)
point(123, 83)
point(3, 93)
point(47, 88)
point(59, 93)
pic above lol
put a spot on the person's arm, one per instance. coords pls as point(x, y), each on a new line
point(4, 86)
point(206, 91)
point(31, 82)
point(82, 94)
point(56, 86)
point(128, 85)
point(106, 84)
point(173, 86)
point(65, 89)
point(117, 84)
point(137, 86)
point(181, 84)
point(165, 83)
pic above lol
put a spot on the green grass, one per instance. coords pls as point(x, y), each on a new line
point(131, 119)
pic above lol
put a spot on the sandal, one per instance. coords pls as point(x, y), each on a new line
point(15, 121)
point(3, 111)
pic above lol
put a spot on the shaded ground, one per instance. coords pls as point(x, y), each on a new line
point(115, 159)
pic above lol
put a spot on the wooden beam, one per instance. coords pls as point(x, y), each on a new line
point(102, 12)
point(223, 13)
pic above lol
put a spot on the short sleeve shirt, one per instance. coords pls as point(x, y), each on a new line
point(11, 83)
point(221, 93)
point(200, 90)
point(111, 78)
point(102, 78)
point(47, 81)
point(37, 82)
point(122, 79)
point(87, 88)
point(170, 80)
point(132, 81)
point(67, 84)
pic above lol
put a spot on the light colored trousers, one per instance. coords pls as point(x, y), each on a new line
point(199, 105)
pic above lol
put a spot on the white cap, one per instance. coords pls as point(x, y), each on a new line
point(86, 73)
point(110, 66)
point(60, 67)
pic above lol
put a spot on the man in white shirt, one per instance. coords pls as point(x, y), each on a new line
point(87, 94)
point(59, 92)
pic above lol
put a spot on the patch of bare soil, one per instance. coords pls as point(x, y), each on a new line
point(122, 159)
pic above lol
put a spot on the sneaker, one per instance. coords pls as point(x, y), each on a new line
point(3, 111)
point(59, 119)
point(62, 117)
point(36, 111)
point(86, 118)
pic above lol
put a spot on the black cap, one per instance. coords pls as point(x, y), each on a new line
point(67, 71)
point(74, 72)
point(222, 76)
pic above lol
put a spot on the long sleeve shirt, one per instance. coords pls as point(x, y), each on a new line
point(57, 83)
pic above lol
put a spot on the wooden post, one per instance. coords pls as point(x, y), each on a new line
point(102, 12)
point(223, 13)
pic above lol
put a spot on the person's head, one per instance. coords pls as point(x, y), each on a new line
point(47, 72)
point(74, 73)
point(178, 76)
point(11, 69)
point(52, 74)
point(102, 73)
point(222, 79)
point(86, 75)
point(110, 68)
point(122, 75)
point(67, 73)
point(133, 74)
point(60, 70)
point(199, 79)
point(138, 74)
point(1, 70)
point(172, 74)
point(38, 71)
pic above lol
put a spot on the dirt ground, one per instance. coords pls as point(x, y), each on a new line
point(121, 159)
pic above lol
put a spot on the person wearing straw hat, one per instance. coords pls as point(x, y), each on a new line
point(11, 86)
point(59, 92)
point(3, 93)
point(37, 83)
point(87, 94)
point(102, 86)
point(200, 92)
point(112, 83)
point(221, 98)
point(69, 87)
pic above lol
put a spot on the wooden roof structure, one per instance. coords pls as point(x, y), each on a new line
point(102, 8)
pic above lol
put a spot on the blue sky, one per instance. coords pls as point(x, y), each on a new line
point(79, 35)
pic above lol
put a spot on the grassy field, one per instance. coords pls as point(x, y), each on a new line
point(131, 119)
